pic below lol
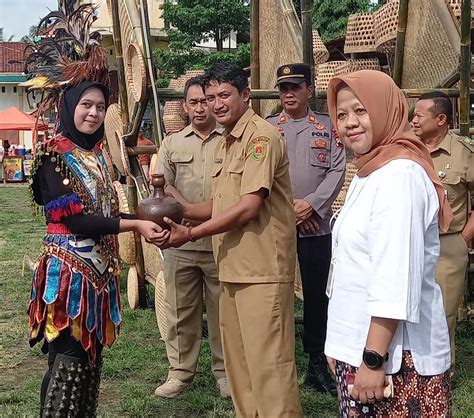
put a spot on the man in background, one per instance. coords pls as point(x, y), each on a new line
point(317, 166)
point(453, 159)
point(187, 159)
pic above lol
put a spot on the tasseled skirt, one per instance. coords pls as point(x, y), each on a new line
point(66, 293)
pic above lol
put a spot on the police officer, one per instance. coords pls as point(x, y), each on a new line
point(317, 165)
point(252, 223)
point(187, 160)
point(453, 159)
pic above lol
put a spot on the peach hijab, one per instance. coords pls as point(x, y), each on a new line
point(393, 137)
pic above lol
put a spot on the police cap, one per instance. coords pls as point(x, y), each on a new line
point(294, 73)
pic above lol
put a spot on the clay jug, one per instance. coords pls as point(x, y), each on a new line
point(159, 205)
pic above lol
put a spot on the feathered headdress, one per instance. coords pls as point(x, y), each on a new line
point(66, 52)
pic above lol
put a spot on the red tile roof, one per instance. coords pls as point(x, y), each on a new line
point(11, 51)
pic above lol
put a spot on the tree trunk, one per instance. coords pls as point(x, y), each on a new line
point(219, 40)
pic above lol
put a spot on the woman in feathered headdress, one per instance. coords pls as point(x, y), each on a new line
point(75, 305)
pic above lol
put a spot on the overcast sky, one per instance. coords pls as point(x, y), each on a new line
point(16, 16)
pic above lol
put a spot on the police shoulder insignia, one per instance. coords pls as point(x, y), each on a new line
point(259, 148)
point(320, 126)
point(282, 119)
point(311, 118)
point(320, 143)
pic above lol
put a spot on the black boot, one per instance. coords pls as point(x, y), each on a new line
point(66, 389)
point(318, 376)
point(92, 393)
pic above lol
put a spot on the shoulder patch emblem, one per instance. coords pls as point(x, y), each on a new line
point(319, 126)
point(282, 119)
point(322, 157)
point(259, 148)
point(311, 118)
point(467, 142)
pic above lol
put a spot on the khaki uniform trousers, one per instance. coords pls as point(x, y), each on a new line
point(258, 338)
point(186, 271)
point(450, 275)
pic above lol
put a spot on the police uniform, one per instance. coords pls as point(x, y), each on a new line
point(453, 160)
point(317, 165)
point(187, 162)
point(256, 268)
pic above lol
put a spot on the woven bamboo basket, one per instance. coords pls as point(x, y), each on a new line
point(320, 52)
point(136, 72)
point(281, 42)
point(351, 171)
point(133, 288)
point(352, 65)
point(126, 240)
point(325, 71)
point(154, 274)
point(113, 123)
point(432, 44)
point(360, 33)
point(385, 27)
point(456, 7)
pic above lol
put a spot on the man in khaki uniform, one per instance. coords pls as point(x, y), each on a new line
point(454, 162)
point(187, 159)
point(253, 226)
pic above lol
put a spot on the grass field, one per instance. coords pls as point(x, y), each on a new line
point(137, 363)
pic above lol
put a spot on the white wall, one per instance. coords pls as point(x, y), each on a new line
point(8, 98)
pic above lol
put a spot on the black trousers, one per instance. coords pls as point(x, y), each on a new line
point(314, 256)
point(68, 346)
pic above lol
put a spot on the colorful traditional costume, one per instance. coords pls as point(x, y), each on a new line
point(74, 304)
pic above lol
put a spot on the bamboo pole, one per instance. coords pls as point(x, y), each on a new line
point(400, 46)
point(255, 51)
point(132, 194)
point(465, 68)
point(120, 66)
point(308, 57)
point(148, 52)
point(172, 94)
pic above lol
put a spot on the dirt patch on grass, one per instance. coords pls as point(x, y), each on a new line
point(16, 376)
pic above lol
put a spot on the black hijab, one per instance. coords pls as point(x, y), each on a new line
point(67, 106)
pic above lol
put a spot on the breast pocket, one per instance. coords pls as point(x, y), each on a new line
point(319, 155)
point(183, 164)
point(451, 183)
point(234, 173)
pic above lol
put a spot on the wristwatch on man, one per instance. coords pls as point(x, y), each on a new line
point(373, 360)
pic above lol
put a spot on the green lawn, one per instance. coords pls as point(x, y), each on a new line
point(137, 362)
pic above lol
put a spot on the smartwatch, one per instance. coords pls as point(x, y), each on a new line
point(373, 360)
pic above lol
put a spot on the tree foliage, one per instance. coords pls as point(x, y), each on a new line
point(201, 20)
point(330, 16)
point(195, 21)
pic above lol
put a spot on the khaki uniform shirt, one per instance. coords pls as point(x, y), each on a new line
point(454, 163)
point(187, 162)
point(252, 157)
point(317, 162)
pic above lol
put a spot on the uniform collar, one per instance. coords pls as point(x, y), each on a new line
point(241, 124)
point(310, 117)
point(445, 144)
point(189, 130)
